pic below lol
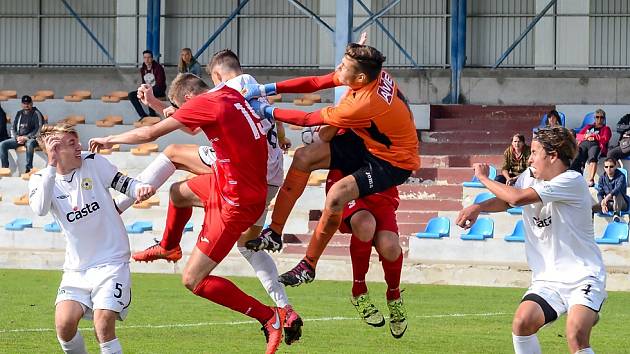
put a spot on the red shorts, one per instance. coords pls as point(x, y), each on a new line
point(384, 213)
point(223, 223)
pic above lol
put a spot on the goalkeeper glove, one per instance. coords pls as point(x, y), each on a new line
point(254, 90)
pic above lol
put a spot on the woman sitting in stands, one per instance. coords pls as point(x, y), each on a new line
point(553, 119)
point(592, 142)
point(187, 63)
point(514, 160)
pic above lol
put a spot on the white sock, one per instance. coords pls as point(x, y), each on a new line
point(76, 345)
point(158, 171)
point(267, 273)
point(111, 347)
point(526, 344)
point(588, 350)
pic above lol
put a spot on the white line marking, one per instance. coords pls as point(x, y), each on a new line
point(236, 323)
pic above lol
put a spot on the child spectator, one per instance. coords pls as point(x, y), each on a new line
point(611, 190)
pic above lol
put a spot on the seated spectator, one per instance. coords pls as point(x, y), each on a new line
point(188, 64)
point(514, 160)
point(611, 190)
point(553, 119)
point(622, 150)
point(24, 130)
point(592, 142)
point(4, 134)
point(151, 73)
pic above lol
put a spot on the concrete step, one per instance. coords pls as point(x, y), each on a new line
point(429, 191)
point(404, 228)
point(515, 124)
point(472, 148)
point(489, 135)
point(450, 175)
point(484, 111)
point(428, 161)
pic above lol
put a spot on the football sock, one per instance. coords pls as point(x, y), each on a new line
point(76, 345)
point(176, 219)
point(326, 228)
point(267, 273)
point(158, 171)
point(392, 270)
point(360, 256)
point(292, 188)
point(224, 292)
point(526, 344)
point(588, 350)
point(111, 347)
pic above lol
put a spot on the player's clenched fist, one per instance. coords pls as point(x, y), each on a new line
point(144, 192)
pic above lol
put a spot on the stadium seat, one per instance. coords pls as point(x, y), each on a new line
point(8, 93)
point(52, 227)
point(122, 95)
point(27, 176)
point(46, 94)
point(615, 233)
point(70, 98)
point(110, 99)
point(482, 197)
point(21, 200)
point(543, 121)
point(114, 119)
point(474, 182)
point(589, 118)
point(5, 172)
point(437, 227)
point(150, 147)
point(146, 121)
point(139, 227)
point(518, 235)
point(302, 102)
point(312, 97)
point(482, 229)
point(102, 123)
point(3, 98)
point(139, 152)
point(188, 227)
point(84, 94)
point(275, 98)
point(18, 224)
point(515, 211)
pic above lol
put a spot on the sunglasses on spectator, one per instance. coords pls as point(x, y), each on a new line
point(602, 117)
point(609, 166)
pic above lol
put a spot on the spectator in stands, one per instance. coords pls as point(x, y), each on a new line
point(592, 142)
point(514, 160)
point(553, 119)
point(611, 190)
point(24, 130)
point(4, 134)
point(187, 63)
point(151, 73)
point(622, 150)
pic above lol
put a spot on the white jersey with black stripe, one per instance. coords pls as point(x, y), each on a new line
point(81, 204)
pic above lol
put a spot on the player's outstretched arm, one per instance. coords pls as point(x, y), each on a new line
point(305, 84)
point(136, 136)
point(508, 194)
point(292, 116)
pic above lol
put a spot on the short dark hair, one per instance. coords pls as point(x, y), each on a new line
point(225, 58)
point(610, 159)
point(184, 84)
point(370, 60)
point(148, 51)
point(558, 139)
point(520, 137)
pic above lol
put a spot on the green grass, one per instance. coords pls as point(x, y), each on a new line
point(166, 318)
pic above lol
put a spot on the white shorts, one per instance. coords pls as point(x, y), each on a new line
point(106, 287)
point(561, 297)
point(207, 155)
point(271, 193)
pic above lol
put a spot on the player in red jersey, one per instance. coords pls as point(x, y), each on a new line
point(381, 150)
point(233, 196)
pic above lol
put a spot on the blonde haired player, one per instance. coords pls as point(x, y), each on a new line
point(96, 282)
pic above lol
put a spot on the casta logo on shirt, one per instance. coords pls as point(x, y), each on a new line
point(542, 222)
point(77, 214)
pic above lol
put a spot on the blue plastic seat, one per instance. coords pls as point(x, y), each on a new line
point(518, 234)
point(517, 210)
point(437, 227)
point(18, 224)
point(188, 227)
point(589, 118)
point(482, 197)
point(543, 121)
point(615, 233)
point(474, 182)
point(139, 227)
point(52, 227)
point(482, 229)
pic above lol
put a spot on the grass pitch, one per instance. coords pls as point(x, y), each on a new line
point(166, 318)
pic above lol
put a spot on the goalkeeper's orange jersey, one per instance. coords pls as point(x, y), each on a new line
point(380, 115)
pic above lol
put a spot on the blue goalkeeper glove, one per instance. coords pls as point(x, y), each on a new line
point(263, 109)
point(254, 90)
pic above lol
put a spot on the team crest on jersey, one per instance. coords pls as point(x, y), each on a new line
point(386, 87)
point(86, 184)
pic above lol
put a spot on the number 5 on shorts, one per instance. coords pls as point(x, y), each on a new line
point(118, 291)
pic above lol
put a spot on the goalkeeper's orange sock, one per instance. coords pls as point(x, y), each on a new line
point(326, 228)
point(291, 190)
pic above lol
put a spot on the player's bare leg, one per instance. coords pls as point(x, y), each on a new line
point(105, 330)
point(67, 316)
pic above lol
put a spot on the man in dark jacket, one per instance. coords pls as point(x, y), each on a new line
point(26, 125)
point(151, 73)
point(611, 190)
point(4, 134)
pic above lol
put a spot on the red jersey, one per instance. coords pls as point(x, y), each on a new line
point(238, 137)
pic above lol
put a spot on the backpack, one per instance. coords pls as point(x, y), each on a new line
point(623, 124)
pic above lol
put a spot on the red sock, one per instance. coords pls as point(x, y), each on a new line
point(326, 227)
point(392, 270)
point(224, 292)
point(360, 255)
point(176, 219)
